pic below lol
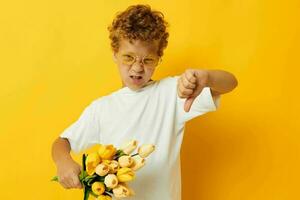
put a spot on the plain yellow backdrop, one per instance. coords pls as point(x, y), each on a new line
point(56, 59)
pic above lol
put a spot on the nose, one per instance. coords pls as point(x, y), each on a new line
point(137, 66)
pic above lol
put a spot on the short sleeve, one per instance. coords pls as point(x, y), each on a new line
point(84, 132)
point(202, 104)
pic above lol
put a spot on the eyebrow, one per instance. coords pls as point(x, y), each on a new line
point(124, 53)
point(127, 53)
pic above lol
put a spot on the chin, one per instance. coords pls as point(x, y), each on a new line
point(135, 87)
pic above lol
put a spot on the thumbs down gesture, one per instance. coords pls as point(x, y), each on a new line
point(190, 85)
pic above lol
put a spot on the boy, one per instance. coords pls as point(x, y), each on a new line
point(144, 110)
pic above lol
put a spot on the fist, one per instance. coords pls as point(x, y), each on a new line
point(190, 85)
point(68, 174)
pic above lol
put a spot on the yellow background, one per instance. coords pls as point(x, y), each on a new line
point(56, 58)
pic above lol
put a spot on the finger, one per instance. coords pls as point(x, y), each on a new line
point(184, 92)
point(188, 104)
point(184, 95)
point(187, 83)
point(76, 182)
point(66, 186)
point(69, 185)
point(64, 183)
point(69, 181)
point(178, 88)
point(190, 76)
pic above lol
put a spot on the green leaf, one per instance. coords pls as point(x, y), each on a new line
point(55, 178)
point(82, 175)
point(118, 154)
point(87, 178)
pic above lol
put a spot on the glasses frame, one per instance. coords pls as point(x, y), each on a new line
point(135, 59)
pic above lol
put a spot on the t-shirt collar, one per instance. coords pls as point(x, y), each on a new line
point(130, 91)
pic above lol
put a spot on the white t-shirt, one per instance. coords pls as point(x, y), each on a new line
point(152, 115)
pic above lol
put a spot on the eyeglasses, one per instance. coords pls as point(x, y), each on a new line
point(147, 61)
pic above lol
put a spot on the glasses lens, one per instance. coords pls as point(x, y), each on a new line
point(150, 61)
point(127, 59)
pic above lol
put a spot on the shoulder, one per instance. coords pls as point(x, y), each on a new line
point(169, 80)
point(97, 103)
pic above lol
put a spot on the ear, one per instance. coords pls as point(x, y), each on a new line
point(114, 57)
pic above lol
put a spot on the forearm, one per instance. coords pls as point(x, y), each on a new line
point(221, 81)
point(61, 150)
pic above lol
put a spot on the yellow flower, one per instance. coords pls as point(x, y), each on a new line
point(102, 169)
point(106, 152)
point(98, 188)
point(129, 147)
point(113, 165)
point(91, 162)
point(125, 161)
point(106, 162)
point(138, 163)
point(122, 190)
point(111, 180)
point(145, 150)
point(125, 174)
point(103, 197)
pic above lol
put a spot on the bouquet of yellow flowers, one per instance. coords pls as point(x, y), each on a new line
point(105, 173)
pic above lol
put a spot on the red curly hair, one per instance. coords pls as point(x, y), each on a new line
point(139, 22)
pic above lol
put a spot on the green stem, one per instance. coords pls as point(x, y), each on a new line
point(86, 193)
point(134, 154)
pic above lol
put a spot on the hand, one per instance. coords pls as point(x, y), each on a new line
point(68, 174)
point(190, 85)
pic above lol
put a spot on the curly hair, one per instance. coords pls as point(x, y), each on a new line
point(139, 22)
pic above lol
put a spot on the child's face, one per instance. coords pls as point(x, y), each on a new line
point(137, 59)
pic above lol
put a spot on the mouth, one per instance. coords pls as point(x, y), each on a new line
point(136, 77)
point(136, 80)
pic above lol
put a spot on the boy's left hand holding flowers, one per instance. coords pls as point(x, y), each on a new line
point(106, 172)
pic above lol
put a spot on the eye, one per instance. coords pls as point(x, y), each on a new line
point(128, 57)
point(148, 60)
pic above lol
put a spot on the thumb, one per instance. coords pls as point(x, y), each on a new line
point(188, 103)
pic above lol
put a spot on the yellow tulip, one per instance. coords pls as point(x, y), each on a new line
point(98, 188)
point(122, 190)
point(129, 147)
point(113, 165)
point(106, 152)
point(106, 162)
point(138, 163)
point(125, 174)
point(101, 169)
point(146, 150)
point(111, 180)
point(91, 162)
point(125, 161)
point(103, 197)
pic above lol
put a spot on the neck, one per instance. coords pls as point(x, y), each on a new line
point(123, 85)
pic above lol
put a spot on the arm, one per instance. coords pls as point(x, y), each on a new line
point(221, 82)
point(61, 150)
point(67, 169)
